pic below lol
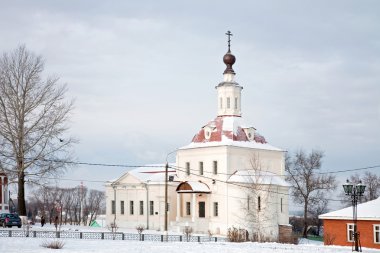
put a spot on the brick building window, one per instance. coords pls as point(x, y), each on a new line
point(376, 233)
point(350, 232)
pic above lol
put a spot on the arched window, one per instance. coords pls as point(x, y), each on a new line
point(228, 103)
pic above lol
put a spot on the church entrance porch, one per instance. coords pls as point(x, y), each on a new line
point(192, 203)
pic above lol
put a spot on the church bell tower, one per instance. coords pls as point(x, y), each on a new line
point(229, 91)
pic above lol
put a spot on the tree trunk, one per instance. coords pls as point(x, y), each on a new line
point(305, 221)
point(21, 193)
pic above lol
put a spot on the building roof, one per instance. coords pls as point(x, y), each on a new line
point(257, 177)
point(366, 211)
point(151, 173)
point(229, 131)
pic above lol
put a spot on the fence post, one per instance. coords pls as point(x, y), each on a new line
point(216, 239)
point(9, 233)
point(80, 235)
point(142, 237)
point(102, 236)
point(162, 238)
point(34, 234)
point(199, 239)
point(180, 238)
point(122, 236)
point(58, 235)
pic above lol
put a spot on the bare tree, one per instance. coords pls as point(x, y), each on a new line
point(372, 190)
point(95, 204)
point(309, 187)
point(258, 206)
point(33, 117)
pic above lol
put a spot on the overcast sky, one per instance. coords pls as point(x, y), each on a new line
point(143, 73)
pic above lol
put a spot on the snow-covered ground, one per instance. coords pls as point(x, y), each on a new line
point(33, 245)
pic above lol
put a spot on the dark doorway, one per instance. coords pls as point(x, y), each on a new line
point(202, 211)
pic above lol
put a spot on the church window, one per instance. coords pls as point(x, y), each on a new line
point(151, 207)
point(122, 207)
point(201, 168)
point(188, 208)
point(221, 103)
point(281, 205)
point(259, 203)
point(113, 207)
point(236, 103)
point(215, 167)
point(141, 207)
point(188, 168)
point(228, 103)
point(216, 210)
point(131, 208)
point(248, 202)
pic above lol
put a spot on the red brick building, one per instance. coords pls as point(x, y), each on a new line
point(338, 225)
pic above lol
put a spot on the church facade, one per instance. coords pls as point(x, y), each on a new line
point(228, 176)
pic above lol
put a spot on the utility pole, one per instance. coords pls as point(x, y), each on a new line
point(166, 199)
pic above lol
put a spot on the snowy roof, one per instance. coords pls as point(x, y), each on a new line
point(366, 211)
point(257, 177)
point(229, 131)
point(193, 186)
point(149, 173)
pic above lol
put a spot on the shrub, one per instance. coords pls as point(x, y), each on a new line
point(329, 239)
point(236, 235)
point(56, 244)
point(187, 231)
point(140, 228)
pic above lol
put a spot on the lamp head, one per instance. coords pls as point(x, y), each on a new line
point(348, 187)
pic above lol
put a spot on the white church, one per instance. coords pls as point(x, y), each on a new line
point(228, 176)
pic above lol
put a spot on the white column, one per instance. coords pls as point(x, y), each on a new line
point(193, 209)
point(178, 207)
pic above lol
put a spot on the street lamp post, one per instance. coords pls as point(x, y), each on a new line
point(355, 191)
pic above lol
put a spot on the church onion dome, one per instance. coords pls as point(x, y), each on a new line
point(227, 128)
point(229, 59)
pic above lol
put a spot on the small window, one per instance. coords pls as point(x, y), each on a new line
point(376, 233)
point(350, 232)
point(228, 103)
point(215, 167)
point(259, 203)
point(281, 205)
point(188, 168)
point(141, 207)
point(236, 103)
point(201, 168)
point(248, 202)
point(188, 208)
point(151, 207)
point(122, 207)
point(216, 210)
point(113, 207)
point(221, 103)
point(131, 208)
